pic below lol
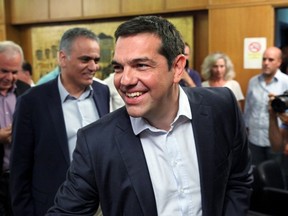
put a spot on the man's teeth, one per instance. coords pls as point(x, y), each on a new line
point(134, 94)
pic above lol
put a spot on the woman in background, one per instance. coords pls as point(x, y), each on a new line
point(218, 71)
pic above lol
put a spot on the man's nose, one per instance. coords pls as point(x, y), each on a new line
point(266, 61)
point(128, 77)
point(94, 66)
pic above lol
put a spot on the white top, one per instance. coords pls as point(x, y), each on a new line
point(78, 112)
point(172, 162)
point(233, 85)
point(115, 99)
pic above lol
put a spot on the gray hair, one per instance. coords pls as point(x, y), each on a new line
point(211, 59)
point(9, 48)
point(70, 35)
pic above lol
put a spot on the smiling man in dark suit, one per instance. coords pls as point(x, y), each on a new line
point(47, 119)
point(170, 150)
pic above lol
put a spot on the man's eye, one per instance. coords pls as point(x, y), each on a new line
point(85, 59)
point(96, 60)
point(7, 71)
point(117, 68)
point(142, 66)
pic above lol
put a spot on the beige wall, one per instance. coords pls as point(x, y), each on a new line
point(229, 26)
point(2, 21)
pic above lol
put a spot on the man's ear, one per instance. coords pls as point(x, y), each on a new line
point(62, 58)
point(178, 67)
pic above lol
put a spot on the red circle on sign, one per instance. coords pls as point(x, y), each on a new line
point(254, 47)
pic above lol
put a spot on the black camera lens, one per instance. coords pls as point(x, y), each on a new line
point(280, 104)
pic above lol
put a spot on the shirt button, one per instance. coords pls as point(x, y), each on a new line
point(174, 163)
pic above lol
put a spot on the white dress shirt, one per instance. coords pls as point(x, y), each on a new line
point(78, 112)
point(172, 162)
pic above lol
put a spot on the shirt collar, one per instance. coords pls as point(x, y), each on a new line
point(276, 77)
point(140, 124)
point(64, 94)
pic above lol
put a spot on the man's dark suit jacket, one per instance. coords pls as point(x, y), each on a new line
point(20, 89)
point(109, 163)
point(40, 155)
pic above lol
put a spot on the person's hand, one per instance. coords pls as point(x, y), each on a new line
point(271, 98)
point(5, 135)
point(282, 116)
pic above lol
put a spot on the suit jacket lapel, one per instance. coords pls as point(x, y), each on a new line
point(133, 156)
point(204, 139)
point(57, 118)
point(99, 99)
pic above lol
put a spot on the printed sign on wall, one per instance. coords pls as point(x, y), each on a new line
point(253, 51)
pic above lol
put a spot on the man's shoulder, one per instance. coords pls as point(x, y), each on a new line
point(99, 83)
point(193, 72)
point(208, 94)
point(220, 100)
point(21, 88)
point(207, 90)
point(190, 70)
point(22, 85)
point(281, 76)
point(95, 79)
point(254, 79)
point(42, 90)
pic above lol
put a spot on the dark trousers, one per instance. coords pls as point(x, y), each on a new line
point(5, 203)
point(285, 168)
point(260, 154)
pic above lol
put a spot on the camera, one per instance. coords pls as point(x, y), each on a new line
point(280, 103)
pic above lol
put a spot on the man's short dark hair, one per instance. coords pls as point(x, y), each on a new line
point(172, 43)
point(26, 66)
